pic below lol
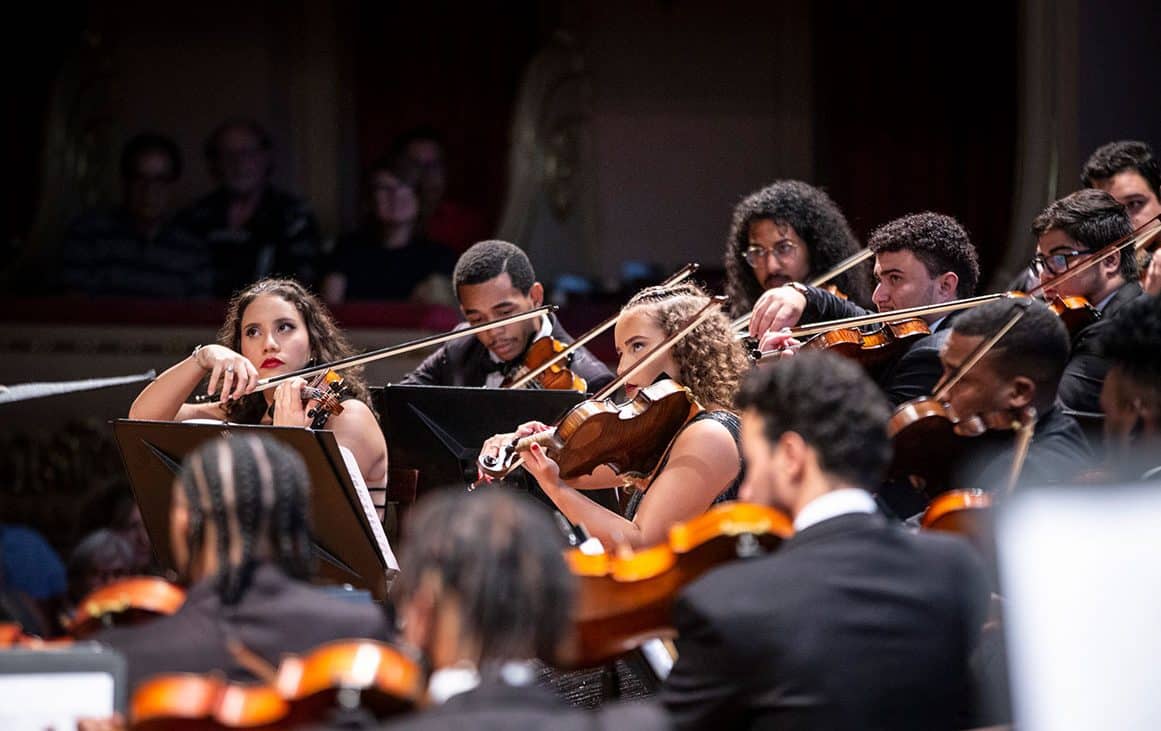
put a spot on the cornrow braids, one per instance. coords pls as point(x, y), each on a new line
point(253, 492)
point(499, 556)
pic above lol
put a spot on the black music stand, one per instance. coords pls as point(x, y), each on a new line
point(438, 430)
point(347, 535)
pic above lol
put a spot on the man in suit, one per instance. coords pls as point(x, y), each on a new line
point(1067, 232)
point(854, 623)
point(1128, 171)
point(239, 531)
point(1023, 369)
point(922, 259)
point(487, 595)
point(492, 280)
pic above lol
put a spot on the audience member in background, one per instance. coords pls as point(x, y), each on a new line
point(486, 595)
point(240, 536)
point(135, 249)
point(100, 559)
point(419, 155)
point(389, 257)
point(254, 230)
point(30, 566)
point(1128, 171)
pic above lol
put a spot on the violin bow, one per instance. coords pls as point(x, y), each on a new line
point(1024, 435)
point(392, 350)
point(1138, 239)
point(684, 273)
point(653, 354)
point(851, 261)
point(942, 388)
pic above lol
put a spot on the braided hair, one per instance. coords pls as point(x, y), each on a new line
point(710, 358)
point(327, 342)
point(253, 492)
point(500, 557)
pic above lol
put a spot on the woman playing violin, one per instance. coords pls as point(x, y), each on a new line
point(273, 327)
point(703, 463)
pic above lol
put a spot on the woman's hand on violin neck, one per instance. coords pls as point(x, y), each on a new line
point(777, 308)
point(235, 372)
point(529, 428)
point(289, 409)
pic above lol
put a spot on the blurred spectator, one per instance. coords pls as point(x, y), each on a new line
point(419, 155)
point(135, 249)
point(127, 524)
point(100, 559)
point(30, 569)
point(254, 230)
point(389, 257)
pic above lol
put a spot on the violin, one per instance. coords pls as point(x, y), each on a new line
point(625, 597)
point(632, 438)
point(1075, 312)
point(593, 431)
point(564, 352)
point(303, 690)
point(350, 674)
point(930, 440)
point(966, 513)
point(872, 346)
point(128, 601)
point(556, 376)
point(189, 701)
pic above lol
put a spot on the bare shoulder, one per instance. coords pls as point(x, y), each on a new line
point(706, 437)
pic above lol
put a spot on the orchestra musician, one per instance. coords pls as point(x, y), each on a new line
point(703, 464)
point(1067, 230)
point(1131, 396)
point(486, 597)
point(854, 623)
point(1024, 368)
point(495, 279)
point(240, 537)
point(788, 232)
point(1128, 171)
point(273, 327)
point(921, 259)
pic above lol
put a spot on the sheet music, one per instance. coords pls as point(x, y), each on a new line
point(370, 513)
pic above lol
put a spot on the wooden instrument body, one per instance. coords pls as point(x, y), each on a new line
point(556, 377)
point(129, 601)
point(626, 599)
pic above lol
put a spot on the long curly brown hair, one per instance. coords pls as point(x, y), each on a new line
point(327, 342)
point(711, 360)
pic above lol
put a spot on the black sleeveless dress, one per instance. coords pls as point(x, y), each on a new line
point(730, 421)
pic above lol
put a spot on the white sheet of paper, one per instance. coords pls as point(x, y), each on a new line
point(369, 508)
point(39, 701)
point(1081, 574)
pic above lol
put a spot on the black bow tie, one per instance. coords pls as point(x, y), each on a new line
point(490, 366)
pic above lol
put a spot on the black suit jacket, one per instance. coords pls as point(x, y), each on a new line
point(909, 375)
point(853, 624)
point(494, 705)
point(464, 362)
point(1058, 453)
point(1080, 387)
point(276, 615)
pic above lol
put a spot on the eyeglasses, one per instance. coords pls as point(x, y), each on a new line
point(1054, 263)
point(782, 251)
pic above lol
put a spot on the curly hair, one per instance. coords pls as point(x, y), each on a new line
point(327, 342)
point(832, 404)
point(1092, 218)
point(1117, 157)
point(817, 221)
point(710, 357)
point(487, 260)
point(939, 241)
